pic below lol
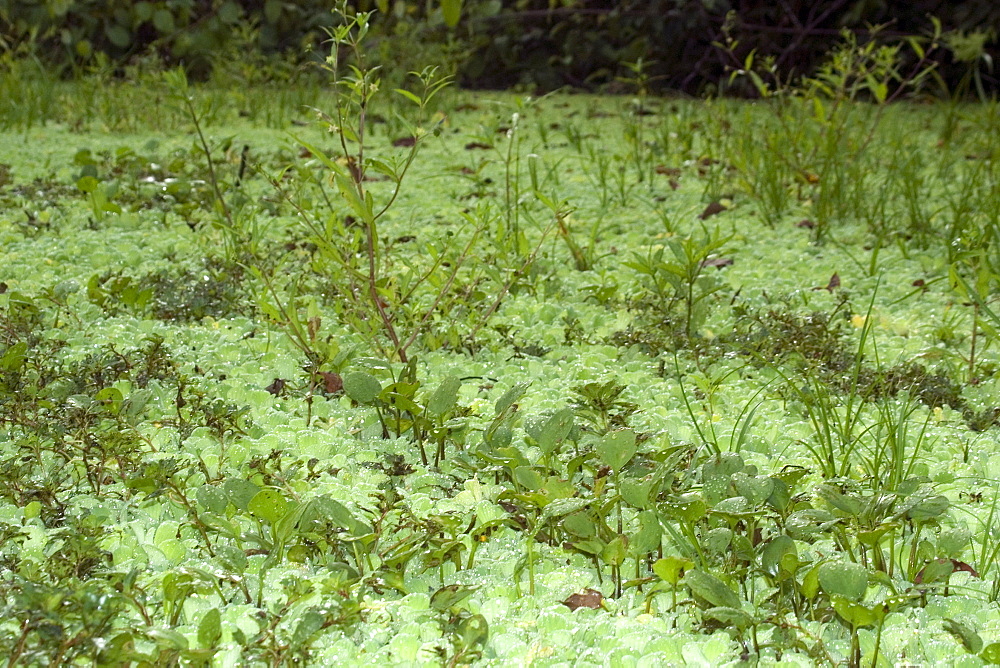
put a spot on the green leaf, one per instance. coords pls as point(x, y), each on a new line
point(991, 654)
point(555, 430)
point(408, 95)
point(853, 613)
point(230, 13)
point(844, 578)
point(967, 636)
point(362, 387)
point(510, 397)
point(87, 184)
point(240, 492)
point(163, 21)
point(617, 448)
point(730, 617)
point(775, 553)
point(269, 504)
point(445, 397)
point(308, 626)
point(710, 588)
point(14, 357)
point(210, 628)
point(451, 10)
point(671, 569)
point(272, 10)
point(118, 35)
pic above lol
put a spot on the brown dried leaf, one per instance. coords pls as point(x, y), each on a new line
point(277, 387)
point(711, 210)
point(590, 598)
point(477, 145)
point(668, 171)
point(717, 262)
point(404, 142)
point(833, 284)
point(808, 224)
point(332, 382)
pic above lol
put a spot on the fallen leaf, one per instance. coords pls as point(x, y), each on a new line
point(332, 382)
point(277, 387)
point(590, 598)
point(668, 171)
point(808, 224)
point(832, 285)
point(404, 141)
point(711, 210)
point(475, 144)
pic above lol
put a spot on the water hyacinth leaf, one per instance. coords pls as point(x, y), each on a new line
point(444, 397)
point(617, 448)
point(269, 504)
point(210, 628)
point(363, 387)
point(529, 478)
point(711, 589)
point(929, 508)
point(847, 504)
point(474, 630)
point(555, 430)
point(580, 525)
point(935, 571)
point(451, 11)
point(844, 578)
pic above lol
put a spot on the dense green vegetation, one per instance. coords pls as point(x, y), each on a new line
point(345, 375)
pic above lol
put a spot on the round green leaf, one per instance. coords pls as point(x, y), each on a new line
point(269, 505)
point(844, 578)
point(362, 387)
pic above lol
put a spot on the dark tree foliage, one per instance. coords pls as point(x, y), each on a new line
point(541, 44)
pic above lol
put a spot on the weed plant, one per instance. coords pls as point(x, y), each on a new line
point(273, 406)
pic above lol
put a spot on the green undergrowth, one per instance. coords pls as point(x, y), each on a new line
point(584, 381)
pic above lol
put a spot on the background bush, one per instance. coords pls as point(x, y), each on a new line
point(543, 44)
